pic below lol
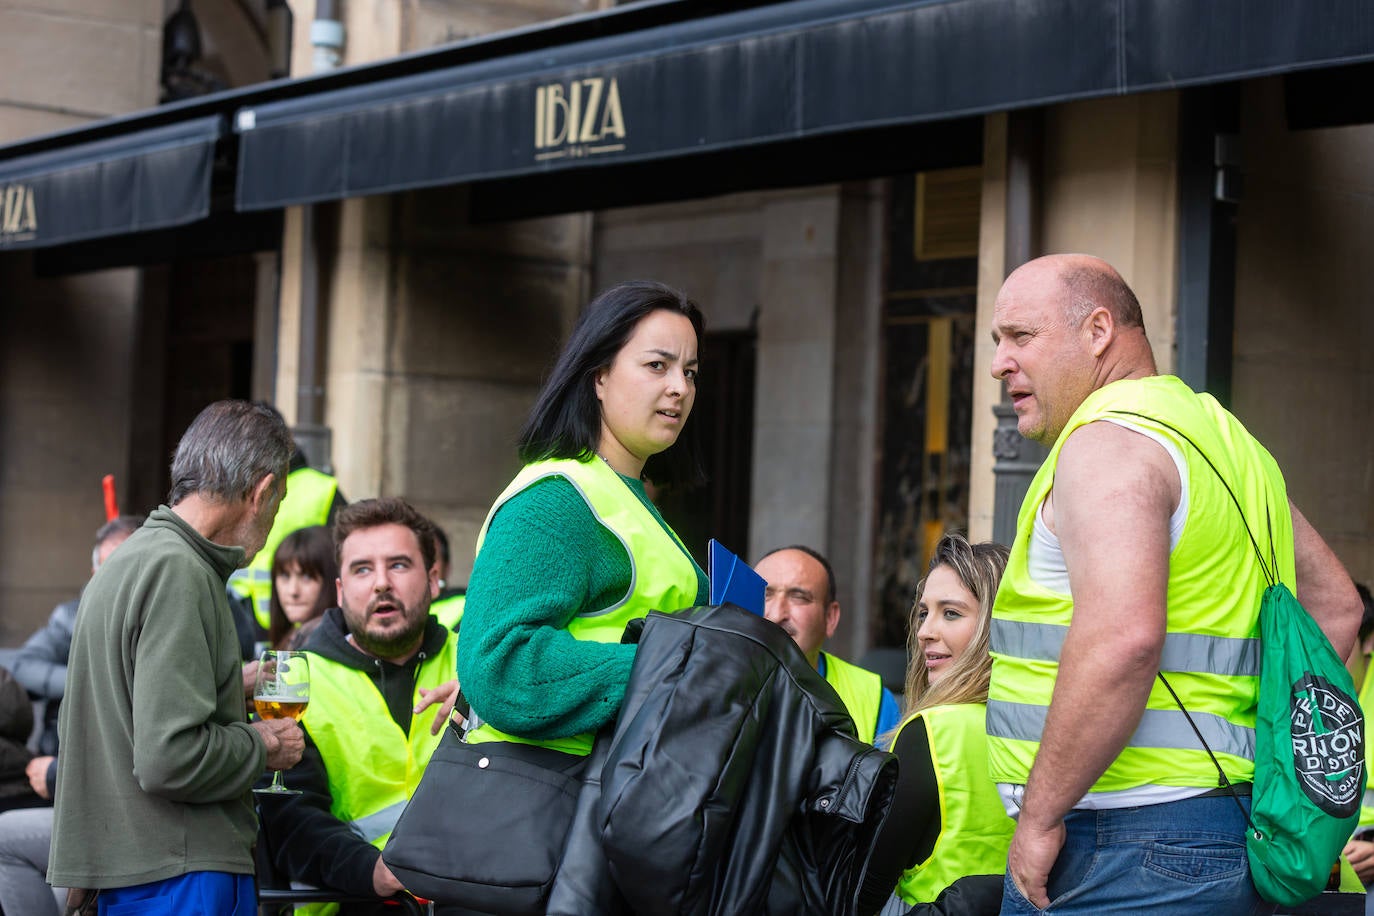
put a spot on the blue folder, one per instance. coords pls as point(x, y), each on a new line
point(733, 580)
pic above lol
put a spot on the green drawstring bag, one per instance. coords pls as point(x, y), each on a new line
point(1309, 741)
point(1309, 755)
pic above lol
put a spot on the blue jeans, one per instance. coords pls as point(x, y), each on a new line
point(1184, 858)
point(197, 893)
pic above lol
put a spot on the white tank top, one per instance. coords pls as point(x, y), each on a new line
point(1046, 559)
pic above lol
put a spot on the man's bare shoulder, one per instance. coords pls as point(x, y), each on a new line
point(1110, 457)
point(1114, 493)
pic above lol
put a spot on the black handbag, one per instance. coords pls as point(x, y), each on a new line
point(486, 826)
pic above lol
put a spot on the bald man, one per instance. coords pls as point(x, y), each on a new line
point(800, 597)
point(1131, 558)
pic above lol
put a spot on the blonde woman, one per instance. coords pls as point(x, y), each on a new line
point(947, 821)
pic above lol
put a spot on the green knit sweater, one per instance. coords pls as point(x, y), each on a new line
point(546, 559)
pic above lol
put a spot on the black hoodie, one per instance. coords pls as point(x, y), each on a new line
point(306, 841)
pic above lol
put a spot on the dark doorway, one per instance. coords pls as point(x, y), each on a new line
point(209, 337)
point(196, 347)
point(723, 424)
point(927, 378)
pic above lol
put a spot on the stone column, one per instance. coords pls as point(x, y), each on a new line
point(1108, 187)
point(794, 396)
point(854, 428)
point(477, 315)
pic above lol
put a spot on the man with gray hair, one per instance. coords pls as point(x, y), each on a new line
point(157, 756)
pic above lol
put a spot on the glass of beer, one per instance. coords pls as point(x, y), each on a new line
point(282, 691)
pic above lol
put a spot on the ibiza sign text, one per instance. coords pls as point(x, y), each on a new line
point(578, 118)
point(18, 213)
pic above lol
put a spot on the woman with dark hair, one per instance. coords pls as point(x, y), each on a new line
point(304, 573)
point(947, 822)
point(574, 549)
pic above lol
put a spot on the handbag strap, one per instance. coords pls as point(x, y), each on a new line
point(1270, 574)
point(462, 719)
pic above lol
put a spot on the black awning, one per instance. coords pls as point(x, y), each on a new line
point(659, 88)
point(144, 180)
point(764, 75)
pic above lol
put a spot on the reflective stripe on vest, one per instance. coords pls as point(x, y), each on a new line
point(974, 828)
point(250, 582)
point(663, 575)
point(309, 494)
point(862, 693)
point(1210, 652)
point(378, 826)
point(1158, 728)
point(372, 766)
point(1182, 651)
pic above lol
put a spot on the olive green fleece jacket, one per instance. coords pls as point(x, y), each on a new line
point(157, 756)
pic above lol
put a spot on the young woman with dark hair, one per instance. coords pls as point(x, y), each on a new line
point(574, 549)
point(567, 419)
point(304, 573)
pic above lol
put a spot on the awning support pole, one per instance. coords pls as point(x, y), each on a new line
point(1015, 459)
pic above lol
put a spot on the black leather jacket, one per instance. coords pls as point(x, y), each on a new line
point(733, 782)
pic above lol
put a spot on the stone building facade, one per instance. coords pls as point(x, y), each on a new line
point(865, 394)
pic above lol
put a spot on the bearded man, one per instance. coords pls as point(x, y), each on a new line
point(376, 662)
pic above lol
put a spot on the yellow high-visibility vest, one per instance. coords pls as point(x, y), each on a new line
point(662, 573)
point(309, 494)
point(861, 690)
point(1366, 698)
point(373, 766)
point(1211, 651)
point(974, 828)
point(449, 611)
